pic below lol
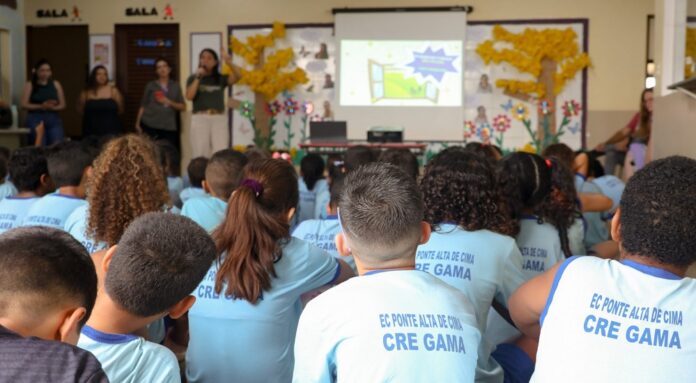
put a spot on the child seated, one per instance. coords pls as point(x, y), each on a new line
point(47, 290)
point(196, 175)
point(157, 263)
point(393, 323)
point(7, 188)
point(222, 176)
point(29, 170)
point(171, 162)
point(310, 184)
point(628, 320)
point(69, 165)
point(402, 159)
point(322, 232)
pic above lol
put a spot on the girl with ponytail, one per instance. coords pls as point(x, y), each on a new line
point(243, 323)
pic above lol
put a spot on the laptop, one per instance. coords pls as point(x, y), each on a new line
point(328, 131)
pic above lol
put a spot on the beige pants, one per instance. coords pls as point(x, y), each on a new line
point(209, 133)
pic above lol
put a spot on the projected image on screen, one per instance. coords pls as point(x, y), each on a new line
point(400, 73)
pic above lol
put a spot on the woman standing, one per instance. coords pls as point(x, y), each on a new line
point(100, 104)
point(160, 105)
point(43, 97)
point(209, 131)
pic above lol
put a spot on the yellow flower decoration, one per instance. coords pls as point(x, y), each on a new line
point(528, 148)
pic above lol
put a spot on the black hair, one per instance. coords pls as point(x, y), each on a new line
point(403, 159)
point(224, 172)
point(381, 207)
point(336, 190)
point(561, 152)
point(312, 169)
point(594, 168)
point(48, 263)
point(92, 79)
point(26, 167)
point(358, 156)
point(253, 153)
point(335, 165)
point(169, 157)
point(215, 73)
point(463, 190)
point(196, 171)
point(159, 260)
point(486, 151)
point(67, 162)
point(159, 59)
point(5, 153)
point(35, 71)
point(658, 212)
point(546, 187)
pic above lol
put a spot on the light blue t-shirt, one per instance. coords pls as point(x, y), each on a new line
point(52, 210)
point(388, 326)
point(207, 211)
point(130, 358)
point(7, 189)
point(308, 198)
point(596, 229)
point(483, 265)
point(76, 225)
point(232, 339)
point(322, 234)
point(191, 192)
point(175, 186)
point(13, 210)
point(576, 237)
point(322, 201)
point(612, 187)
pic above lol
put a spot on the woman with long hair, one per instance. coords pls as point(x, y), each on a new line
point(101, 104)
point(206, 89)
point(162, 101)
point(243, 323)
point(43, 98)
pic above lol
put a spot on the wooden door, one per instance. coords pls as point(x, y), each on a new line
point(66, 47)
point(137, 48)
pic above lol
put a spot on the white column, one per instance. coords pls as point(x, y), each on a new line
point(670, 43)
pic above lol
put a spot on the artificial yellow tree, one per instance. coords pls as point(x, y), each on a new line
point(552, 58)
point(267, 77)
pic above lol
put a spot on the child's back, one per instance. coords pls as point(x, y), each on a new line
point(29, 169)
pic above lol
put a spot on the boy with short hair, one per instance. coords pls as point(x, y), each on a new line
point(29, 170)
point(157, 263)
point(69, 165)
point(47, 290)
point(602, 320)
point(222, 176)
point(403, 159)
point(322, 232)
point(196, 175)
point(393, 322)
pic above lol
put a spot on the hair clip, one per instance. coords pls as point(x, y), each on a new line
point(549, 163)
point(282, 156)
point(253, 185)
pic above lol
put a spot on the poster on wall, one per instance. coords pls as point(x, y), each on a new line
point(314, 51)
point(101, 52)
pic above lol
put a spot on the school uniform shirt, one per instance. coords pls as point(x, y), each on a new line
point(13, 210)
point(611, 321)
point(175, 186)
point(483, 265)
point(232, 339)
point(576, 237)
point(207, 211)
point(612, 187)
point(52, 210)
point(596, 228)
point(322, 234)
point(391, 325)
point(76, 225)
point(320, 204)
point(191, 192)
point(130, 359)
point(7, 189)
point(306, 203)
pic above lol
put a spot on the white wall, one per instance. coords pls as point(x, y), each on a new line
point(13, 21)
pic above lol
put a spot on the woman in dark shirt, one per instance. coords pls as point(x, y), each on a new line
point(161, 103)
point(43, 97)
point(100, 104)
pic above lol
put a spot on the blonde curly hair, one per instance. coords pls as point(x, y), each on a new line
point(127, 182)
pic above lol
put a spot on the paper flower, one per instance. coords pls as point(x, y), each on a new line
point(520, 112)
point(246, 109)
point(483, 131)
point(501, 123)
point(307, 107)
point(528, 148)
point(571, 108)
point(290, 106)
point(469, 129)
point(273, 108)
point(545, 107)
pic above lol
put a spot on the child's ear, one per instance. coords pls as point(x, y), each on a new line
point(342, 245)
point(181, 307)
point(206, 187)
point(106, 261)
point(426, 230)
point(616, 226)
point(291, 213)
point(69, 327)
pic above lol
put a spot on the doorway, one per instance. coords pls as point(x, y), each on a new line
point(66, 47)
point(137, 48)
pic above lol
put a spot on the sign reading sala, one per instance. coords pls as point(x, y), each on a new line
point(141, 11)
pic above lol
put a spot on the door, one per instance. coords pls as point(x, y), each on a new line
point(137, 48)
point(67, 49)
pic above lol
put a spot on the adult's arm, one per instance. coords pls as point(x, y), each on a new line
point(26, 94)
point(61, 97)
point(116, 95)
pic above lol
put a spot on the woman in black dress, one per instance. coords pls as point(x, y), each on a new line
point(100, 104)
